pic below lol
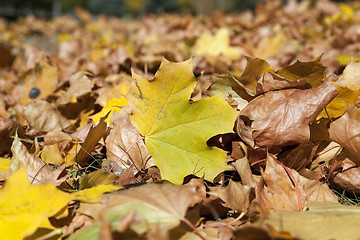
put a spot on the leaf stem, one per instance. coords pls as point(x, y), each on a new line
point(196, 231)
point(125, 153)
point(291, 177)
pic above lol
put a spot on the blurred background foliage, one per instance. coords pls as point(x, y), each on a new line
point(12, 9)
point(121, 8)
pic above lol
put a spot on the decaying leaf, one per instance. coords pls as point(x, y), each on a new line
point(163, 114)
point(281, 118)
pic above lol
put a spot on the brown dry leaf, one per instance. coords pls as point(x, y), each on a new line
point(45, 118)
point(80, 84)
point(318, 192)
point(275, 191)
point(281, 118)
point(121, 138)
point(348, 178)
point(235, 195)
point(242, 166)
point(38, 171)
point(346, 132)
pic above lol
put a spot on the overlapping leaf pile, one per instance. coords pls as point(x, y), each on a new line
point(180, 127)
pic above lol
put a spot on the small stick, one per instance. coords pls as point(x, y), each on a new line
point(125, 153)
point(291, 177)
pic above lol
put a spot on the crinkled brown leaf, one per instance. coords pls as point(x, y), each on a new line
point(348, 178)
point(281, 118)
point(346, 132)
point(45, 118)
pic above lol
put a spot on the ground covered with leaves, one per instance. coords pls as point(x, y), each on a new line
point(238, 126)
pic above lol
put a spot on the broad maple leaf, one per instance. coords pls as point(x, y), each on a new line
point(175, 129)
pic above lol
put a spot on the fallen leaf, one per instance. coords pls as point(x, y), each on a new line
point(246, 85)
point(164, 104)
point(4, 164)
point(92, 138)
point(348, 178)
point(51, 154)
point(313, 72)
point(346, 132)
point(279, 118)
point(42, 80)
point(43, 117)
point(315, 223)
point(235, 196)
point(80, 84)
point(94, 194)
point(299, 157)
point(148, 202)
point(122, 136)
point(214, 45)
point(24, 211)
point(350, 76)
point(98, 177)
point(337, 106)
point(275, 191)
point(38, 171)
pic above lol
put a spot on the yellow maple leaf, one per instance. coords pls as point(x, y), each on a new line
point(25, 207)
point(215, 45)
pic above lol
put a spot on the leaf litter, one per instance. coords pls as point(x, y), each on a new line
point(245, 127)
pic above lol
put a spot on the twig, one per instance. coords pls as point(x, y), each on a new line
point(291, 177)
